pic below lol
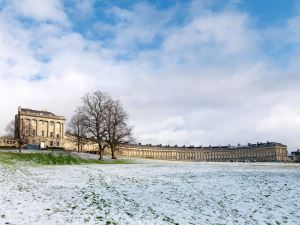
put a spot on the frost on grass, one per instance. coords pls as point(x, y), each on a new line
point(178, 193)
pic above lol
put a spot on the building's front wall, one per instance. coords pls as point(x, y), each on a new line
point(71, 144)
point(276, 153)
point(45, 130)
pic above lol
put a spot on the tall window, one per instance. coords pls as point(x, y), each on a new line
point(51, 143)
point(51, 134)
point(43, 133)
point(57, 143)
point(33, 132)
point(57, 135)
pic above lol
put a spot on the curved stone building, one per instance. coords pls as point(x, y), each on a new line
point(260, 152)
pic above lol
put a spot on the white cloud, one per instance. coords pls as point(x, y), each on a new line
point(229, 32)
point(46, 10)
point(140, 25)
point(84, 7)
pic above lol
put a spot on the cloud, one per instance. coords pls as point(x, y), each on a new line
point(228, 32)
point(46, 10)
point(141, 26)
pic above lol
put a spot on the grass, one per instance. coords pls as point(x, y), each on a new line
point(51, 158)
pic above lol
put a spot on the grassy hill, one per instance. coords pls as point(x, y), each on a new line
point(51, 158)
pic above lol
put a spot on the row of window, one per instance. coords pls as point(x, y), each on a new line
point(43, 123)
point(51, 143)
point(8, 142)
point(42, 134)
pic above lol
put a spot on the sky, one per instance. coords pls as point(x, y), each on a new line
point(188, 72)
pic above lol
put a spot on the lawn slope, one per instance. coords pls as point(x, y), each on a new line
point(51, 158)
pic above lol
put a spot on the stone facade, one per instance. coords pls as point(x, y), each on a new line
point(46, 129)
point(71, 144)
point(262, 152)
point(7, 142)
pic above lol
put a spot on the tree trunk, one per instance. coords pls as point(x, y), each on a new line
point(78, 145)
point(100, 155)
point(100, 151)
point(112, 148)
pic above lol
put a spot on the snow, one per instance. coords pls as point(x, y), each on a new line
point(152, 193)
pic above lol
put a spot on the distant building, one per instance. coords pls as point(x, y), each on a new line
point(46, 129)
point(260, 152)
point(8, 142)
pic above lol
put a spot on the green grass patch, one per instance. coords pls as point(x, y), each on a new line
point(51, 158)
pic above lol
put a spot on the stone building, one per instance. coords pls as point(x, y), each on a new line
point(260, 152)
point(8, 142)
point(90, 145)
point(46, 130)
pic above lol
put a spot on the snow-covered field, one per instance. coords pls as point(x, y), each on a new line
point(168, 193)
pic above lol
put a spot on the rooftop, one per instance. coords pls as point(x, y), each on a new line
point(228, 147)
point(37, 112)
point(43, 113)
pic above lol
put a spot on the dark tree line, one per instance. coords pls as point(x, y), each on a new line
point(103, 120)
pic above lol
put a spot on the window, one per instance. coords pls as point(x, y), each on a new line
point(33, 133)
point(57, 143)
point(51, 134)
point(57, 135)
point(51, 143)
point(43, 133)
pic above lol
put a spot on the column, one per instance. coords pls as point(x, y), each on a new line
point(47, 129)
point(37, 128)
point(54, 125)
point(62, 130)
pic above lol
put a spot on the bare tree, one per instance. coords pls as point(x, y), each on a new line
point(79, 130)
point(21, 132)
point(10, 129)
point(117, 130)
point(93, 111)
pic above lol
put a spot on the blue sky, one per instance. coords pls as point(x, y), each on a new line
point(263, 14)
point(201, 72)
point(270, 12)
